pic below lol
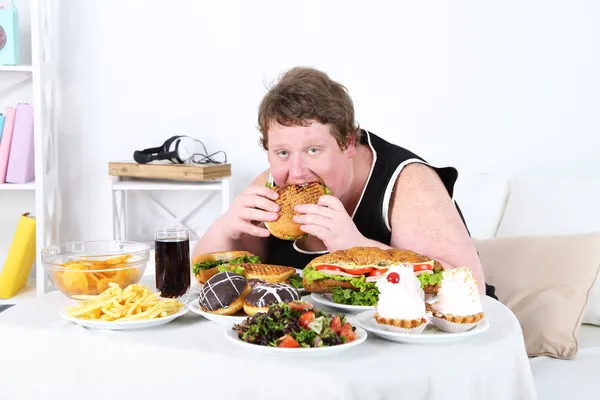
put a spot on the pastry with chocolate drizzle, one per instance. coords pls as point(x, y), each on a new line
point(224, 293)
point(262, 296)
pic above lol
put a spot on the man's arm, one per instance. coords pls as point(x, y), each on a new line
point(424, 219)
point(214, 239)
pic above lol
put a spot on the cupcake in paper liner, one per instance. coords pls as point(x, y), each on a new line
point(401, 305)
point(458, 306)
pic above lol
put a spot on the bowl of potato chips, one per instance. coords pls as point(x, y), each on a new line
point(88, 267)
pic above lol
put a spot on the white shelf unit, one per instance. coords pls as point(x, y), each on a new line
point(16, 68)
point(19, 186)
point(121, 187)
point(41, 76)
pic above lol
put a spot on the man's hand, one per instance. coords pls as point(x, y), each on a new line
point(329, 221)
point(252, 207)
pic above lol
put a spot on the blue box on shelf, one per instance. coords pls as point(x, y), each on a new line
point(9, 34)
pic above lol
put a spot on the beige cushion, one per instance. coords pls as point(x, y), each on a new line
point(546, 282)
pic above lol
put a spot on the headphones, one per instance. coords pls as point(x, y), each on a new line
point(178, 149)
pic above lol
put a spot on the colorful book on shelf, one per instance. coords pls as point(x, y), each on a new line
point(5, 141)
point(20, 258)
point(21, 162)
point(1, 125)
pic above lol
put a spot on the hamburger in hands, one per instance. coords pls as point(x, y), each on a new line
point(205, 266)
point(350, 275)
point(289, 196)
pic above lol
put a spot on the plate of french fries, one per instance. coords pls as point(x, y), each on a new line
point(134, 307)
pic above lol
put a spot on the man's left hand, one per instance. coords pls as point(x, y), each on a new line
point(329, 221)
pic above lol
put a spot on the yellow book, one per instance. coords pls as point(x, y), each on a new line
point(19, 260)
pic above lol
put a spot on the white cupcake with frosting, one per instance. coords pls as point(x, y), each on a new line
point(458, 307)
point(401, 305)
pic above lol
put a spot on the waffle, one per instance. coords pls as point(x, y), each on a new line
point(268, 272)
point(400, 323)
point(289, 196)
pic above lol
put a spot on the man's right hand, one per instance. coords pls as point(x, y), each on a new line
point(248, 210)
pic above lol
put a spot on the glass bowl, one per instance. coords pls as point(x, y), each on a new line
point(87, 267)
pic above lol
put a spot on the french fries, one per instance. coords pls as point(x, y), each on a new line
point(134, 303)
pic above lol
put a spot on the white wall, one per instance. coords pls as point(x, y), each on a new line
point(507, 86)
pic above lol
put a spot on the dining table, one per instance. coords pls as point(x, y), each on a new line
point(45, 356)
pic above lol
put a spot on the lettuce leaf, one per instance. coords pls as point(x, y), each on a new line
point(296, 281)
point(369, 297)
point(204, 265)
point(236, 269)
point(430, 279)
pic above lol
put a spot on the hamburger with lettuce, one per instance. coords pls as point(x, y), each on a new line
point(350, 275)
point(205, 266)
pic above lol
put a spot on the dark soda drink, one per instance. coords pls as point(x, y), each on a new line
point(172, 262)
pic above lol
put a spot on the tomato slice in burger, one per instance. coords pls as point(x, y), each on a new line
point(428, 266)
point(377, 272)
point(359, 271)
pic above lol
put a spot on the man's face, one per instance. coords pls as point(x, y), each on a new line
point(304, 154)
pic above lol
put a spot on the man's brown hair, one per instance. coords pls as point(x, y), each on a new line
point(303, 95)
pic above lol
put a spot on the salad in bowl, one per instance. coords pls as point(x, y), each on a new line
point(296, 325)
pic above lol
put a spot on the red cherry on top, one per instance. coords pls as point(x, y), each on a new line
point(393, 277)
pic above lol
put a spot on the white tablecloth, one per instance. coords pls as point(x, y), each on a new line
point(43, 356)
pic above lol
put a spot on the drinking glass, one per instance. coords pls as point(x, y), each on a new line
point(172, 259)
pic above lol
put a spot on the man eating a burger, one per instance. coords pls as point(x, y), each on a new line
point(333, 186)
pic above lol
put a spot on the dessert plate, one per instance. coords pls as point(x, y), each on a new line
point(325, 300)
point(431, 334)
point(361, 336)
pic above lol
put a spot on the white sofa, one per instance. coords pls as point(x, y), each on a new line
point(503, 206)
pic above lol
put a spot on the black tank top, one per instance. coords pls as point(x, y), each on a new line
point(371, 213)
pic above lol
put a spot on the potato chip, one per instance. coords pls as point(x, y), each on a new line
point(80, 276)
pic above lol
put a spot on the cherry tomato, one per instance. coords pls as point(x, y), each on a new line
point(377, 272)
point(306, 319)
point(327, 267)
point(347, 332)
point(393, 277)
point(300, 305)
point(288, 341)
point(336, 324)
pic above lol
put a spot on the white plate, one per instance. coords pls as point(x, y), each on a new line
point(124, 325)
point(361, 336)
point(431, 334)
point(325, 299)
point(225, 320)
